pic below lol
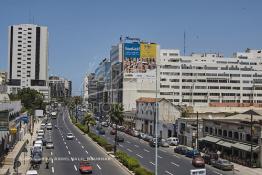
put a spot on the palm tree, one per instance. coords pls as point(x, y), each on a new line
point(88, 120)
point(116, 117)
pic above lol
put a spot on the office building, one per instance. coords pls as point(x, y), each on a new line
point(211, 79)
point(59, 87)
point(28, 58)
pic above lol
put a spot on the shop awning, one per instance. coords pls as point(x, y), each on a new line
point(224, 143)
point(245, 147)
point(209, 139)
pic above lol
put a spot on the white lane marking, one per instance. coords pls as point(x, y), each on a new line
point(129, 150)
point(63, 139)
point(91, 158)
point(76, 139)
point(152, 163)
point(146, 150)
point(98, 166)
point(86, 152)
point(121, 145)
point(53, 170)
point(79, 142)
point(65, 143)
point(160, 157)
point(139, 156)
point(127, 141)
point(162, 150)
point(217, 173)
point(83, 147)
point(69, 153)
point(51, 153)
point(66, 147)
point(75, 167)
point(177, 156)
point(52, 160)
point(168, 172)
point(137, 146)
point(72, 159)
point(175, 164)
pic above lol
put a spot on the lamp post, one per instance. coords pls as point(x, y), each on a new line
point(251, 135)
point(197, 133)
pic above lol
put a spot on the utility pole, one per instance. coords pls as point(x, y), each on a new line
point(197, 133)
point(251, 135)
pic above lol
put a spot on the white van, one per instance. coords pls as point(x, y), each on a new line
point(31, 172)
point(173, 141)
point(38, 146)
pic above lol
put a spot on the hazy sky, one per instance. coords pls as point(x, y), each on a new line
point(81, 32)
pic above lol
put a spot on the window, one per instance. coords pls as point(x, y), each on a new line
point(211, 130)
point(164, 54)
point(29, 28)
point(236, 88)
point(224, 133)
point(220, 132)
point(230, 134)
point(215, 131)
point(174, 80)
point(206, 129)
point(214, 94)
point(236, 135)
point(213, 87)
point(28, 45)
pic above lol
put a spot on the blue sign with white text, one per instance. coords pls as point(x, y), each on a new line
point(131, 50)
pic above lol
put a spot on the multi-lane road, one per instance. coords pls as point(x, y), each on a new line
point(66, 155)
point(169, 162)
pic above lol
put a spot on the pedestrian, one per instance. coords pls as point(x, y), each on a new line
point(47, 163)
point(7, 148)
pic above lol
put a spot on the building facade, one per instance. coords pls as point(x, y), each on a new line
point(150, 110)
point(28, 58)
point(59, 87)
point(211, 79)
point(232, 137)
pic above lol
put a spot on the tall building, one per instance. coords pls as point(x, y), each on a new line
point(3, 77)
point(211, 79)
point(59, 87)
point(133, 71)
point(28, 58)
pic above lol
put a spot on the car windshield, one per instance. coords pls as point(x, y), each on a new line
point(84, 163)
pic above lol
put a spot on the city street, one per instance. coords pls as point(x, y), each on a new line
point(67, 153)
point(169, 162)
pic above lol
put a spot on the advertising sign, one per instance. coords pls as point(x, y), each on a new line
point(4, 120)
point(148, 50)
point(139, 58)
point(131, 50)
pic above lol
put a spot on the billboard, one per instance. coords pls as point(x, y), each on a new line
point(4, 120)
point(139, 57)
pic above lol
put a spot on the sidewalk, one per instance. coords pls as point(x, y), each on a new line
point(24, 158)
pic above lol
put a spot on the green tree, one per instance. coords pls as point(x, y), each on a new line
point(89, 120)
point(30, 98)
point(116, 116)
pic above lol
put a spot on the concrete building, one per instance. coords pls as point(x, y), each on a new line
point(232, 136)
point(3, 77)
point(148, 109)
point(28, 58)
point(210, 79)
point(59, 87)
point(85, 89)
point(133, 71)
point(92, 90)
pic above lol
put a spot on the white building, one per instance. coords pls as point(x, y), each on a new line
point(28, 58)
point(211, 79)
point(85, 89)
point(148, 109)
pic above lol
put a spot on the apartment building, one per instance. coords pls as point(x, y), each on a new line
point(28, 58)
point(59, 87)
point(211, 79)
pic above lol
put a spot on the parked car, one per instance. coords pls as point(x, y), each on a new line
point(40, 132)
point(49, 126)
point(42, 126)
point(181, 150)
point(153, 143)
point(121, 128)
point(164, 143)
point(36, 159)
point(31, 172)
point(113, 132)
point(198, 161)
point(39, 138)
point(105, 124)
point(173, 141)
point(192, 153)
point(120, 139)
point(148, 138)
point(210, 157)
point(69, 136)
point(136, 133)
point(85, 167)
point(223, 164)
point(102, 132)
point(39, 142)
point(142, 135)
point(49, 145)
point(128, 131)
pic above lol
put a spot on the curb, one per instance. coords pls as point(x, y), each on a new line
point(103, 150)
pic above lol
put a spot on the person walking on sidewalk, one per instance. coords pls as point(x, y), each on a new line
point(47, 163)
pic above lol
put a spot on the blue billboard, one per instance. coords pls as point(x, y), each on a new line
point(131, 50)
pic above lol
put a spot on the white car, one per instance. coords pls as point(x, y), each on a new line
point(39, 138)
point(39, 142)
point(49, 145)
point(49, 126)
point(40, 132)
point(70, 136)
point(173, 141)
point(42, 126)
point(38, 146)
point(31, 172)
point(136, 133)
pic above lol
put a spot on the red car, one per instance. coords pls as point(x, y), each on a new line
point(198, 161)
point(85, 167)
point(113, 132)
